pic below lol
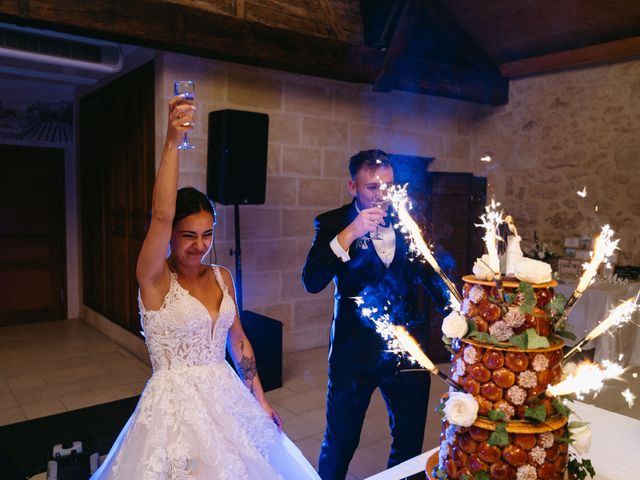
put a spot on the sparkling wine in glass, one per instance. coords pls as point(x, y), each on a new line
point(188, 89)
point(384, 206)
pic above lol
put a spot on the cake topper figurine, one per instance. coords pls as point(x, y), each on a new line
point(509, 249)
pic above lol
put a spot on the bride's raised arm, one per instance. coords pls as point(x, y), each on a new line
point(152, 270)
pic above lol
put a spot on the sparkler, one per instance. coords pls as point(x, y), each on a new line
point(397, 195)
point(618, 316)
point(587, 377)
point(411, 347)
point(491, 219)
point(399, 341)
point(604, 247)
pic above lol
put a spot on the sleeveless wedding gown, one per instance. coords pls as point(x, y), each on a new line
point(195, 418)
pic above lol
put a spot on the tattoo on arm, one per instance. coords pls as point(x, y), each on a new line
point(248, 368)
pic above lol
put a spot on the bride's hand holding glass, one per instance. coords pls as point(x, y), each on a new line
point(180, 119)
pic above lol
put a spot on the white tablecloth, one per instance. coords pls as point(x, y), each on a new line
point(615, 444)
point(592, 308)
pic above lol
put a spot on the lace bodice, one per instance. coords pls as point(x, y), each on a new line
point(182, 333)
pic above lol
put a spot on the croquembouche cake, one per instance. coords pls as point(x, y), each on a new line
point(506, 346)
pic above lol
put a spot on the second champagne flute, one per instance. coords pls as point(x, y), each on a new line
point(188, 89)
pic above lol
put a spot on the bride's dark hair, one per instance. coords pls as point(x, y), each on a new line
point(189, 201)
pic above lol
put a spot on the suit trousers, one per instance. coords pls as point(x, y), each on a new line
point(406, 395)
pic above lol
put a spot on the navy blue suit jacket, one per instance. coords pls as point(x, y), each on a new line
point(354, 340)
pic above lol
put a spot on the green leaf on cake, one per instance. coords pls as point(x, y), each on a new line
point(586, 464)
point(560, 407)
point(580, 470)
point(573, 425)
point(440, 473)
point(482, 475)
point(536, 341)
point(471, 324)
point(565, 334)
point(520, 341)
point(496, 415)
point(440, 408)
point(500, 436)
point(484, 337)
point(557, 304)
point(464, 476)
point(562, 439)
point(536, 414)
point(529, 297)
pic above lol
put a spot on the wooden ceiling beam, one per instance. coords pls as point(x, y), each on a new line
point(442, 79)
point(196, 32)
point(437, 16)
point(398, 46)
point(617, 50)
point(330, 15)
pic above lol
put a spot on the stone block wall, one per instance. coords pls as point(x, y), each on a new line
point(558, 134)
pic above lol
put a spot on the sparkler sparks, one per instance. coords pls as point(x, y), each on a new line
point(485, 158)
point(604, 247)
point(399, 341)
point(583, 192)
point(587, 377)
point(629, 397)
point(409, 345)
point(617, 317)
point(397, 195)
point(620, 315)
point(491, 219)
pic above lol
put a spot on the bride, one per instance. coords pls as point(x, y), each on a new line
point(195, 419)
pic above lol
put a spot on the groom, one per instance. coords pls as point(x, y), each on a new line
point(380, 271)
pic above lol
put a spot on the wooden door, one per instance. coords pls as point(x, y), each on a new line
point(454, 203)
point(32, 235)
point(117, 130)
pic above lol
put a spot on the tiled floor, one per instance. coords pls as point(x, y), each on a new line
point(52, 367)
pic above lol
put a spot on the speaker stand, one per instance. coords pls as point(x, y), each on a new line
point(238, 255)
point(264, 333)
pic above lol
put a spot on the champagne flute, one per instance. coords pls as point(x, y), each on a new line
point(188, 89)
point(383, 205)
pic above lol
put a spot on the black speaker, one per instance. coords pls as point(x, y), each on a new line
point(237, 157)
point(265, 335)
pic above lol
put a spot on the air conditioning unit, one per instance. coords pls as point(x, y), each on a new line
point(59, 49)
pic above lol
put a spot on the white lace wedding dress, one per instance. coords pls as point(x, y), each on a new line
point(195, 418)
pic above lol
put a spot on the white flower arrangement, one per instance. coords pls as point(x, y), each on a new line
point(540, 250)
point(461, 409)
point(455, 325)
point(580, 434)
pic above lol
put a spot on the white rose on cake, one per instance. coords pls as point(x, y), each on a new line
point(461, 409)
point(455, 325)
point(533, 271)
point(481, 268)
point(581, 438)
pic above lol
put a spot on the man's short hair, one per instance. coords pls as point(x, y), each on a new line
point(369, 159)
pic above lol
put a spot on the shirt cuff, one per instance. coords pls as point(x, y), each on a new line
point(338, 250)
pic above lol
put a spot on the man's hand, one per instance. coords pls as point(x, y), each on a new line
point(366, 221)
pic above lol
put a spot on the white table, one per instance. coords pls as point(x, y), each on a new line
point(592, 308)
point(615, 444)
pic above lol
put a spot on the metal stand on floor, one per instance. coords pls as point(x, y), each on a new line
point(264, 333)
